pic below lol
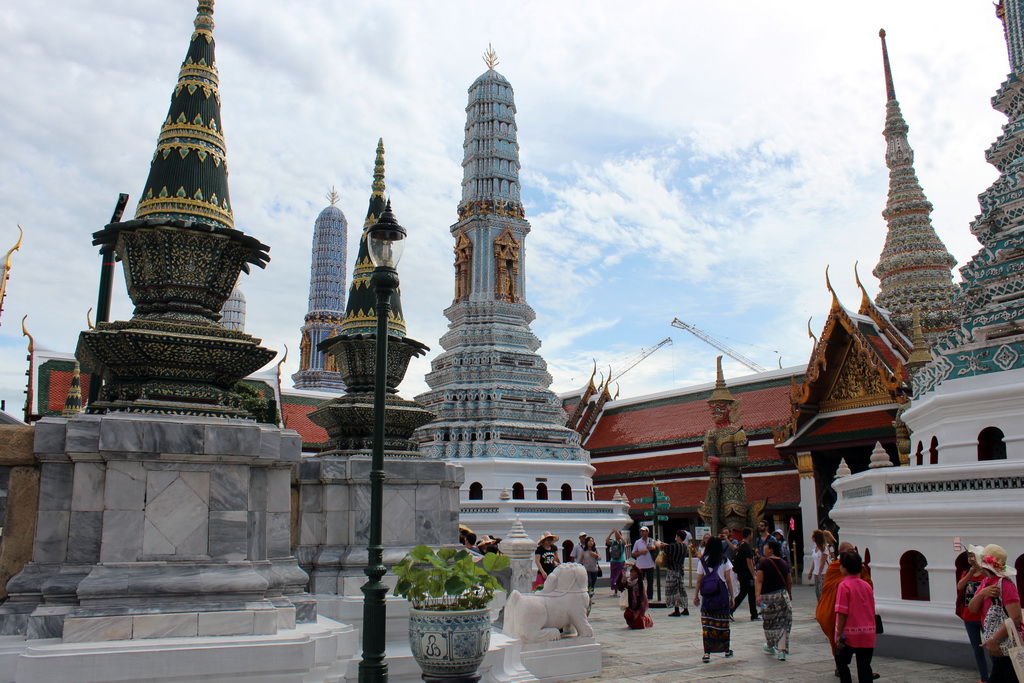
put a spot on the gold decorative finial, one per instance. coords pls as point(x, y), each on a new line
point(491, 57)
point(809, 333)
point(332, 196)
point(25, 333)
point(920, 355)
point(88, 319)
point(7, 267)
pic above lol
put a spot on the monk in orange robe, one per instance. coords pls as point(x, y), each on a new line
point(826, 612)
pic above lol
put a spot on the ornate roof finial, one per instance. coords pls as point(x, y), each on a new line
point(7, 267)
point(332, 196)
point(491, 57)
point(890, 89)
point(828, 283)
point(920, 355)
point(809, 333)
point(721, 392)
point(377, 187)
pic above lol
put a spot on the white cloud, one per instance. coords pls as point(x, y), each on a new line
point(687, 160)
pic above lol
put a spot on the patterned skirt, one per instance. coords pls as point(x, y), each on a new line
point(615, 571)
point(675, 590)
point(778, 619)
point(714, 627)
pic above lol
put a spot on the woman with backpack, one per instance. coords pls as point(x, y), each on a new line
point(773, 589)
point(714, 596)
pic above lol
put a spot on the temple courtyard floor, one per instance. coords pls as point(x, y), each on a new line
point(671, 651)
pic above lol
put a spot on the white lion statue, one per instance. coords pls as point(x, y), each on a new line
point(563, 601)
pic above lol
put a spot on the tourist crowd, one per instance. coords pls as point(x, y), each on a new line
point(736, 567)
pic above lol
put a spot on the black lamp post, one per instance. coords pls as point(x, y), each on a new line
point(385, 242)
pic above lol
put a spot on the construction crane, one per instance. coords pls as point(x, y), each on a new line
point(708, 339)
point(633, 361)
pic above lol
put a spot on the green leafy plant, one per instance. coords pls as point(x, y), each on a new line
point(448, 579)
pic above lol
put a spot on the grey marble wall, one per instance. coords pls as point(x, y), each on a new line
point(155, 526)
point(421, 505)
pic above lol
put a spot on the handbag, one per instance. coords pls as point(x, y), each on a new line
point(661, 561)
point(599, 572)
point(878, 625)
point(994, 620)
point(1015, 649)
point(624, 600)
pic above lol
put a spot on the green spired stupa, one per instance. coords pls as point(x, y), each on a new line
point(182, 256)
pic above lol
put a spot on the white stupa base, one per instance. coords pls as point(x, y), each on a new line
point(890, 511)
point(567, 659)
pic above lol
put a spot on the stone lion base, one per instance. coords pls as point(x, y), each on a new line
point(563, 660)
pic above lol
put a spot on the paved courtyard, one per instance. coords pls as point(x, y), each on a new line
point(671, 651)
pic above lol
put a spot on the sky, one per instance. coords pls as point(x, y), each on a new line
point(700, 161)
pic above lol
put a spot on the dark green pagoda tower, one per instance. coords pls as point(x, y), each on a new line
point(182, 257)
point(188, 178)
point(360, 316)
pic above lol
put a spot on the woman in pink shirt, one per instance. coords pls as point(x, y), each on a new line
point(855, 620)
point(996, 599)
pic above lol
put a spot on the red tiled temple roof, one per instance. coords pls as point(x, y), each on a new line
point(60, 384)
point(685, 418)
point(296, 416)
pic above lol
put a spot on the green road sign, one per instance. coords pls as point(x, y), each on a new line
point(643, 500)
point(661, 496)
point(662, 505)
point(661, 518)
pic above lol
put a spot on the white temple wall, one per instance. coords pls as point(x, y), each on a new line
point(959, 409)
point(891, 511)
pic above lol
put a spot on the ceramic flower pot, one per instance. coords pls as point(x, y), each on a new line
point(449, 644)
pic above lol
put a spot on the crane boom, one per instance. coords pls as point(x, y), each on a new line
point(708, 339)
point(644, 353)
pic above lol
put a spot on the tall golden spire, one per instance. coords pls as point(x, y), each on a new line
point(332, 196)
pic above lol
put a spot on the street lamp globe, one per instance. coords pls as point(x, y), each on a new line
point(385, 240)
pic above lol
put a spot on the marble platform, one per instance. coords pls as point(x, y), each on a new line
point(317, 652)
point(151, 526)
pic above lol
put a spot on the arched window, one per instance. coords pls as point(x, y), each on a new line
point(991, 445)
point(933, 452)
point(914, 576)
point(566, 492)
point(542, 491)
point(518, 493)
point(920, 453)
point(476, 491)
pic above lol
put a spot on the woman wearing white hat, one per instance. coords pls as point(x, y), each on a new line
point(996, 599)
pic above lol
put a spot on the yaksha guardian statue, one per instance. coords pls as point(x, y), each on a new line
point(725, 454)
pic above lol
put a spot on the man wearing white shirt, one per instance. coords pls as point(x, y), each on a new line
point(644, 560)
